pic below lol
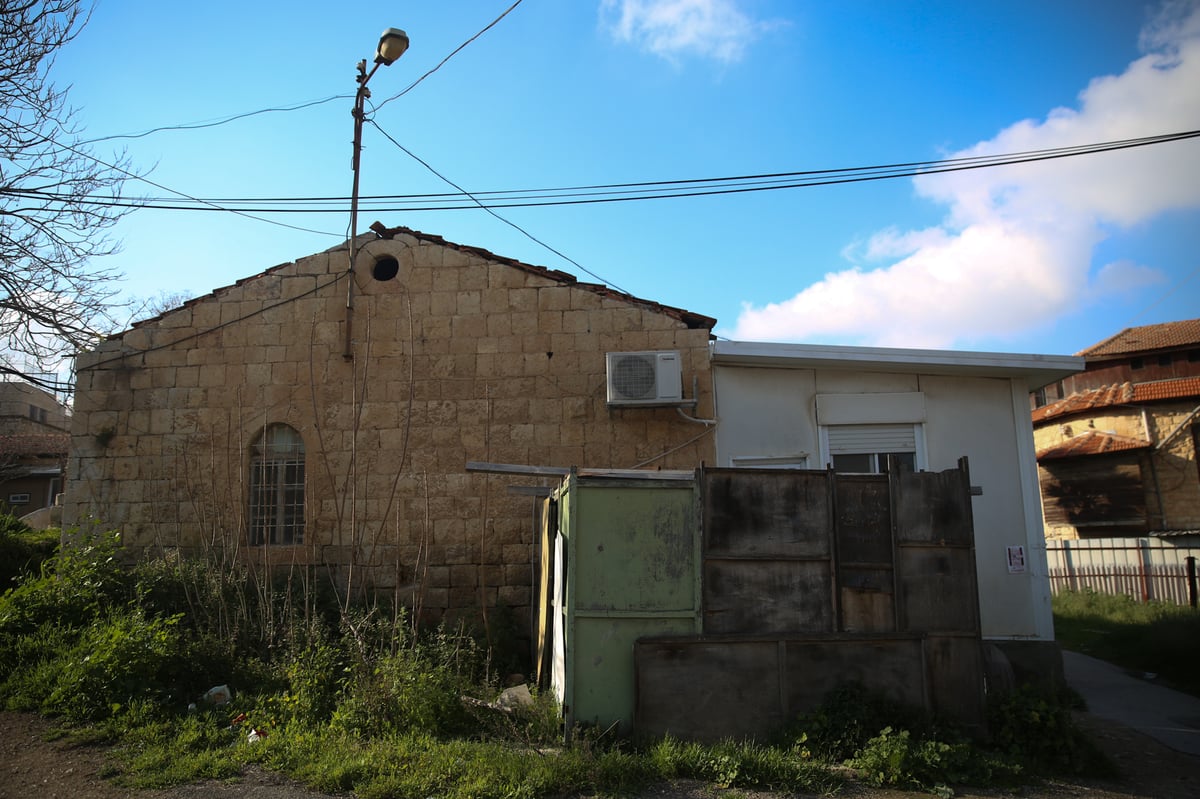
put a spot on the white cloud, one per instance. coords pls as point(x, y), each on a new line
point(715, 29)
point(1016, 245)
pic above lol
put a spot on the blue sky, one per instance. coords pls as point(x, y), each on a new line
point(1046, 257)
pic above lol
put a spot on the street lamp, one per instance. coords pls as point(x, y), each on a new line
point(392, 44)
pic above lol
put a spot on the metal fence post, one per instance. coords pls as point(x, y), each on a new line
point(1190, 560)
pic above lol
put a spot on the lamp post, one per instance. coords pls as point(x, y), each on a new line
point(392, 44)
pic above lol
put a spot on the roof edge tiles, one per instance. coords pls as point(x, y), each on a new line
point(1119, 394)
point(1093, 442)
point(693, 320)
point(1146, 338)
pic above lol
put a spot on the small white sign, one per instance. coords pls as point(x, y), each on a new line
point(1016, 560)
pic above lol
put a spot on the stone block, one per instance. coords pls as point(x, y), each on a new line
point(554, 298)
point(494, 301)
point(514, 596)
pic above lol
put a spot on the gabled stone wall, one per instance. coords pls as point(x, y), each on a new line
point(462, 356)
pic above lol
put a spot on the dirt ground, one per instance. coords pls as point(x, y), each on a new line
point(33, 768)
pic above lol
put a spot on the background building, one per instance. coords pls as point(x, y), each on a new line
point(1117, 443)
point(33, 446)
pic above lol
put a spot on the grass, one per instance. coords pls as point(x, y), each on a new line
point(354, 699)
point(1143, 637)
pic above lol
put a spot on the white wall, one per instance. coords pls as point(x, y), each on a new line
point(765, 412)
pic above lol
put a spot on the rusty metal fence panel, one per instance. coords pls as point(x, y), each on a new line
point(1146, 569)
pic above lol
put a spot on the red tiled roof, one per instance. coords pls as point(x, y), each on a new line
point(1166, 389)
point(1119, 394)
point(1093, 442)
point(1103, 397)
point(1147, 338)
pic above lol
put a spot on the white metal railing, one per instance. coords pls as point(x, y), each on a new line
point(1143, 568)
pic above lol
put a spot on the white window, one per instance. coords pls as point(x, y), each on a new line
point(865, 448)
point(277, 487)
point(860, 431)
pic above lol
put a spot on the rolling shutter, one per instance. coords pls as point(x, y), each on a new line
point(845, 439)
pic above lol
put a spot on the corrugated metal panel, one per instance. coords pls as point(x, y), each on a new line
point(847, 439)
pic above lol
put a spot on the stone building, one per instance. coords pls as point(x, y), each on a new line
point(33, 446)
point(1117, 442)
point(318, 415)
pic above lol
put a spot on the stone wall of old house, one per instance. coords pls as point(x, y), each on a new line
point(1176, 466)
point(463, 356)
point(1169, 470)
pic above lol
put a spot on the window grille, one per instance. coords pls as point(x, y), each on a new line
point(277, 487)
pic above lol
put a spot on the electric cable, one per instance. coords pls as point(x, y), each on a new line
point(620, 192)
point(116, 203)
point(220, 121)
point(510, 223)
point(455, 52)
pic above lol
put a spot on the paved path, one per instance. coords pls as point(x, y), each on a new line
point(1111, 693)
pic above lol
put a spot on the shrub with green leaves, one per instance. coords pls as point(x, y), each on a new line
point(22, 550)
point(897, 759)
point(1037, 729)
point(84, 579)
point(849, 716)
point(119, 659)
point(417, 689)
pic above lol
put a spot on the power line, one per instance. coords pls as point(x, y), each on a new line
point(220, 121)
point(117, 202)
point(301, 105)
point(624, 192)
point(508, 222)
point(455, 52)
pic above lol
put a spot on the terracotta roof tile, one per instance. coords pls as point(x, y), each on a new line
point(1147, 338)
point(1103, 397)
point(1119, 394)
point(1093, 442)
point(1167, 389)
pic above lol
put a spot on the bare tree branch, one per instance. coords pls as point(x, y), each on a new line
point(55, 216)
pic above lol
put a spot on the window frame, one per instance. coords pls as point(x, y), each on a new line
point(879, 450)
point(276, 507)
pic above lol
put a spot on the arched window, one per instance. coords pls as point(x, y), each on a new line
point(277, 487)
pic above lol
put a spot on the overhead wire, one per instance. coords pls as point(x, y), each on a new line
point(508, 222)
point(118, 203)
point(220, 121)
point(633, 191)
point(453, 53)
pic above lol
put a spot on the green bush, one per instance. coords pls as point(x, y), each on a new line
point(22, 550)
point(75, 586)
point(848, 717)
point(896, 759)
point(1038, 730)
point(418, 689)
point(117, 660)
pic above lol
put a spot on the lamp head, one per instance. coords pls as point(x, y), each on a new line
point(392, 45)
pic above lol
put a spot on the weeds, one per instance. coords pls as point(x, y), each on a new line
point(352, 699)
point(22, 550)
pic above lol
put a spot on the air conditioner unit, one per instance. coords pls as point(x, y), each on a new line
point(644, 378)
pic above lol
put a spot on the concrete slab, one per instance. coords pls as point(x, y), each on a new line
point(1171, 717)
